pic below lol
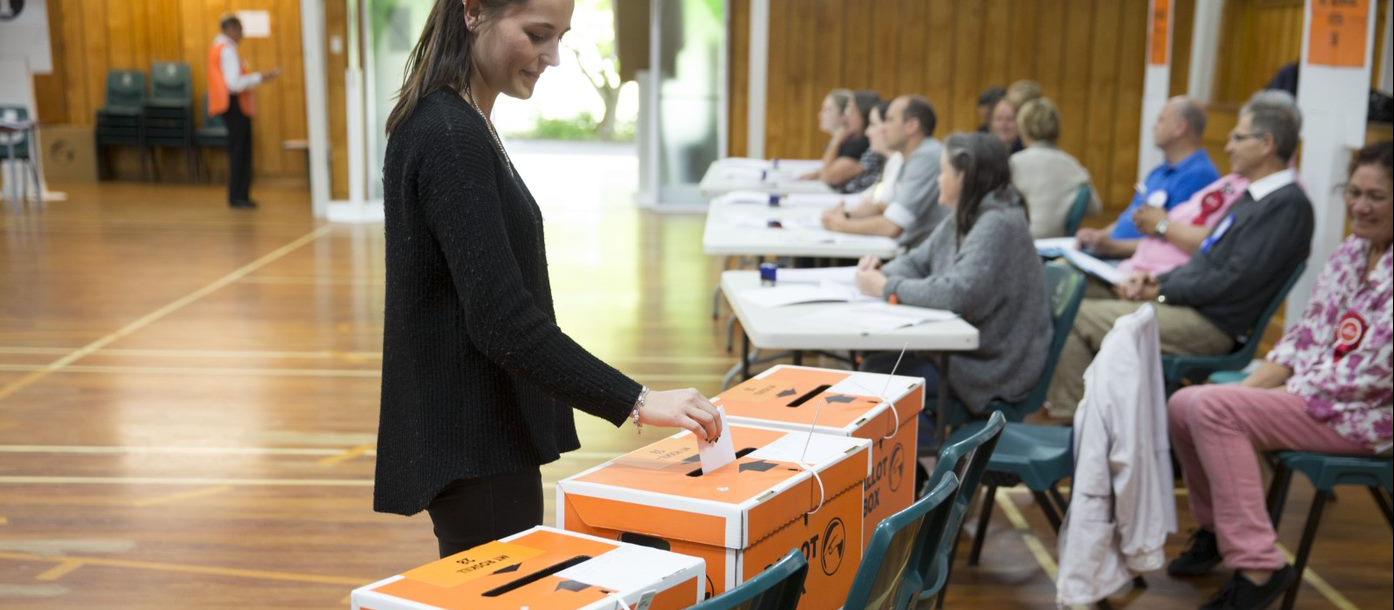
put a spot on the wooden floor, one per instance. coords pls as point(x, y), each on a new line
point(189, 394)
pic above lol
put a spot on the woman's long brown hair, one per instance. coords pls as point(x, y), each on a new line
point(441, 57)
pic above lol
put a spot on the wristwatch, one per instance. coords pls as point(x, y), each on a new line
point(1161, 229)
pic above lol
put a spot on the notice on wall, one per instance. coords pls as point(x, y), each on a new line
point(1161, 25)
point(255, 24)
point(1338, 32)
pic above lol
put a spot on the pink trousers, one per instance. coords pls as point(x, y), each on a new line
point(1215, 430)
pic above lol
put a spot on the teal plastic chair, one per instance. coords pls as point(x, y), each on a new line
point(886, 578)
point(1064, 291)
point(1325, 472)
point(1182, 370)
point(121, 122)
point(1078, 209)
point(125, 93)
point(779, 587)
point(171, 85)
point(1036, 456)
point(967, 455)
point(213, 134)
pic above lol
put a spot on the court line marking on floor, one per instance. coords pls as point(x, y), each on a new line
point(23, 382)
point(192, 569)
point(345, 373)
point(345, 456)
point(322, 354)
point(367, 450)
point(1329, 592)
point(1033, 543)
point(192, 481)
point(60, 570)
point(183, 495)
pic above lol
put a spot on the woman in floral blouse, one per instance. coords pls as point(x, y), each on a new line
point(1326, 387)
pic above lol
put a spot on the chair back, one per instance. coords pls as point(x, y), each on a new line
point(171, 83)
point(968, 459)
point(18, 140)
point(886, 578)
point(779, 587)
point(125, 89)
point(1179, 369)
point(1064, 291)
point(1078, 209)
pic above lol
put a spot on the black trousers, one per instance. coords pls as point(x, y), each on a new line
point(239, 152)
point(471, 512)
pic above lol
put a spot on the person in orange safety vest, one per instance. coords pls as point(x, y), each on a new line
point(230, 86)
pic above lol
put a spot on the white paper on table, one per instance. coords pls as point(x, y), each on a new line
point(718, 454)
point(1095, 267)
point(842, 275)
point(794, 294)
point(1057, 245)
point(743, 198)
point(875, 317)
point(819, 200)
point(626, 568)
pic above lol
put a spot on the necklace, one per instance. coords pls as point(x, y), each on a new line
point(498, 144)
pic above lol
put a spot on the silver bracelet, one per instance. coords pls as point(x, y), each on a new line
point(639, 404)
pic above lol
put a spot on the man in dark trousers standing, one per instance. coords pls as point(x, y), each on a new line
point(230, 86)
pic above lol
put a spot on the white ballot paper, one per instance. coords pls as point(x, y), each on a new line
point(722, 452)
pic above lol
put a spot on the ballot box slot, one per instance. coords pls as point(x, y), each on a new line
point(740, 453)
point(798, 402)
point(536, 576)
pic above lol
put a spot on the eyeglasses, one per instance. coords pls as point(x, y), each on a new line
point(1237, 137)
point(1375, 197)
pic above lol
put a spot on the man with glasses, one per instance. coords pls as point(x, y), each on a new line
point(1206, 305)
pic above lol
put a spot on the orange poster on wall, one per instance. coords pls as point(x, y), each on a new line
point(1161, 23)
point(1338, 32)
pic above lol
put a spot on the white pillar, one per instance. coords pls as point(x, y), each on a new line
point(756, 87)
point(1332, 93)
point(1205, 49)
point(316, 103)
point(1156, 86)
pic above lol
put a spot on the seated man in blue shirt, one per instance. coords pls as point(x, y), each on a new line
point(1178, 131)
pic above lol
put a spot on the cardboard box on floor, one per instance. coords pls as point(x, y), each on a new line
point(543, 569)
point(740, 518)
point(846, 403)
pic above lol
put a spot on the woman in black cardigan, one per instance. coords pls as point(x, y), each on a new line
point(476, 374)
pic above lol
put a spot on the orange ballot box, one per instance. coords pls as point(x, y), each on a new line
point(882, 408)
point(543, 569)
point(786, 490)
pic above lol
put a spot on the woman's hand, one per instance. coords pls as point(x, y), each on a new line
point(832, 217)
point(870, 280)
point(686, 409)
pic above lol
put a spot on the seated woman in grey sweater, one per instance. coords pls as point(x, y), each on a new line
point(981, 264)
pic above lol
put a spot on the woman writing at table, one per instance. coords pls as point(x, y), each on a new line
point(981, 264)
point(477, 378)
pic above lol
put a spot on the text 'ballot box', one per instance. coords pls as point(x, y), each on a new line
point(884, 409)
point(786, 490)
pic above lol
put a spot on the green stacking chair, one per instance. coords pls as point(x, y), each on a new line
point(1064, 291)
point(1181, 370)
point(213, 134)
point(168, 114)
point(1325, 471)
point(779, 587)
point(887, 578)
point(968, 455)
point(1078, 209)
point(120, 121)
point(15, 147)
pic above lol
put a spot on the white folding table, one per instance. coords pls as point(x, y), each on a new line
point(784, 328)
point(754, 229)
point(726, 175)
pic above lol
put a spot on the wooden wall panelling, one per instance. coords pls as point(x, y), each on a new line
point(1087, 55)
point(1183, 16)
point(1132, 52)
point(940, 60)
point(738, 78)
point(92, 37)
